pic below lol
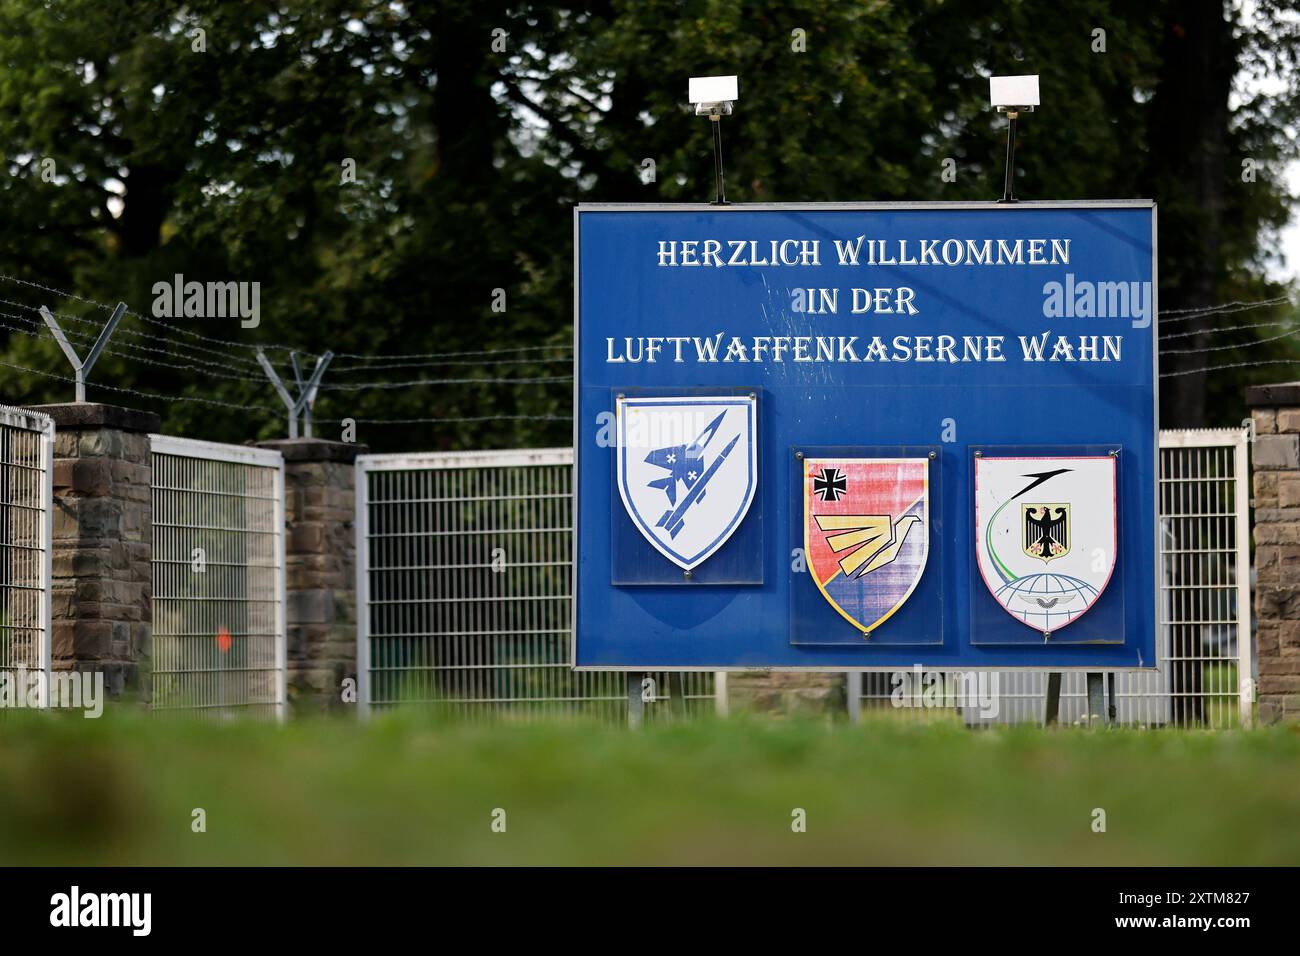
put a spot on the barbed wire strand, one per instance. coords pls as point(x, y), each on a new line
point(1230, 328)
point(226, 357)
point(442, 421)
point(1240, 307)
point(408, 360)
point(39, 331)
point(412, 383)
point(155, 396)
point(280, 346)
point(1206, 309)
point(1219, 368)
point(1237, 345)
point(429, 355)
point(277, 411)
point(189, 333)
point(568, 359)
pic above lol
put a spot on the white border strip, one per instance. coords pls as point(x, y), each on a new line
point(361, 560)
point(864, 206)
point(445, 460)
point(216, 451)
point(1200, 437)
point(26, 418)
point(47, 561)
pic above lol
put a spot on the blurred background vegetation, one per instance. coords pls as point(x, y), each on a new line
point(404, 790)
point(226, 165)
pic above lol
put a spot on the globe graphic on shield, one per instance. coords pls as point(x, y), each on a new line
point(1047, 600)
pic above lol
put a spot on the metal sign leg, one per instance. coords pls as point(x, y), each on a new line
point(1096, 698)
point(677, 691)
point(635, 705)
point(1052, 708)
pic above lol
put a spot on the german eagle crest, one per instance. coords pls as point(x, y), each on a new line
point(1045, 534)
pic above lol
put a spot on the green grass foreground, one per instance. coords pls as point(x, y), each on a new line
point(408, 790)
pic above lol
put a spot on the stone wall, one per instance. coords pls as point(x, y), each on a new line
point(320, 571)
point(102, 578)
point(786, 693)
point(1276, 500)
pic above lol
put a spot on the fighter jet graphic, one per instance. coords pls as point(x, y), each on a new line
point(685, 465)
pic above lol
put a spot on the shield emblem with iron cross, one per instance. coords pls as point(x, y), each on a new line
point(866, 533)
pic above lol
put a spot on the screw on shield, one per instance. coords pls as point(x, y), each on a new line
point(1047, 635)
point(932, 455)
point(798, 454)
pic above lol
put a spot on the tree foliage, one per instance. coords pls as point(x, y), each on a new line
point(475, 127)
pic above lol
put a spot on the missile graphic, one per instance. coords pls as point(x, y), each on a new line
point(674, 518)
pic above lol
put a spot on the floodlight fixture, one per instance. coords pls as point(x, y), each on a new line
point(1012, 95)
point(714, 97)
point(1018, 94)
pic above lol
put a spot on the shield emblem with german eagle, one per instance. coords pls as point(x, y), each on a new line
point(866, 533)
point(1046, 534)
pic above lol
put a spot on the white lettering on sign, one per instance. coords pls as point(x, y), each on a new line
point(1064, 298)
point(946, 349)
point(719, 253)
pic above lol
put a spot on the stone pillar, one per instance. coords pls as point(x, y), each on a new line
point(320, 572)
point(1276, 467)
point(102, 552)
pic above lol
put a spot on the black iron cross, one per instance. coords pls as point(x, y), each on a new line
point(830, 485)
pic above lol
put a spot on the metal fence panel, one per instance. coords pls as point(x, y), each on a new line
point(218, 578)
point(464, 564)
point(1205, 587)
point(1205, 652)
point(26, 510)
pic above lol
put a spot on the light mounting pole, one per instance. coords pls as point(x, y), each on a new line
point(714, 97)
point(1012, 95)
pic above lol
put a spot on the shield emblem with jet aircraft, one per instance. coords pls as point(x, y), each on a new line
point(687, 471)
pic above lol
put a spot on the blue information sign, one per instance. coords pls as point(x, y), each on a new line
point(865, 435)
